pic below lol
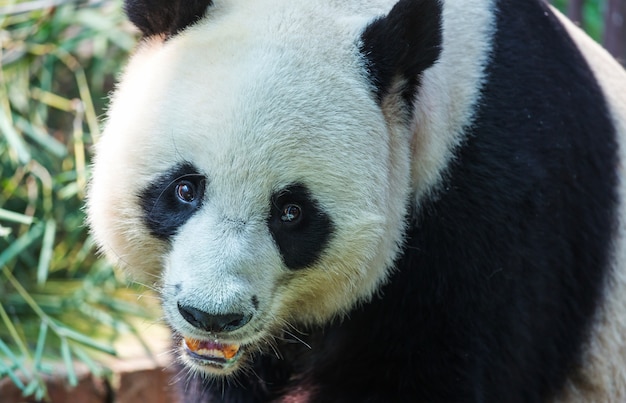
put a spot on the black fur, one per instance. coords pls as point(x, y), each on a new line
point(212, 322)
point(164, 212)
point(302, 242)
point(401, 45)
point(503, 270)
point(165, 17)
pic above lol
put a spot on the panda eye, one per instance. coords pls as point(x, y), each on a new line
point(171, 199)
point(186, 191)
point(291, 214)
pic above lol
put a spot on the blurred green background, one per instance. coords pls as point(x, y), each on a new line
point(58, 301)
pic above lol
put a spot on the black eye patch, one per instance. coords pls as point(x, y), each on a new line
point(171, 199)
point(300, 228)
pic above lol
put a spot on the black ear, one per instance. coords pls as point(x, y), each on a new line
point(401, 45)
point(165, 17)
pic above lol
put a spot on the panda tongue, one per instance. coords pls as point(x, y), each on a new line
point(211, 349)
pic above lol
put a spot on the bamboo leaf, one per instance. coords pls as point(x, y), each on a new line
point(17, 340)
point(65, 332)
point(53, 100)
point(13, 137)
point(31, 388)
point(5, 370)
point(55, 295)
point(38, 134)
point(45, 255)
point(94, 368)
point(66, 354)
point(41, 392)
point(4, 349)
point(29, 6)
point(21, 243)
point(15, 217)
point(41, 342)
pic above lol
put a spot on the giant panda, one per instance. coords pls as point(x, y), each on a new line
point(372, 201)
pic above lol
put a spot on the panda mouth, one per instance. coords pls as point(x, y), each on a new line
point(211, 353)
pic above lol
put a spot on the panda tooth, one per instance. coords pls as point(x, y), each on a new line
point(210, 353)
point(229, 351)
point(211, 349)
point(192, 344)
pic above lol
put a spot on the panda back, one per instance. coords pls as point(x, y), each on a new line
point(603, 374)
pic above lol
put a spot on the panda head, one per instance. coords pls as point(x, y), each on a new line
point(256, 161)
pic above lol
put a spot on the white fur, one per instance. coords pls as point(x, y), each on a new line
point(217, 65)
point(255, 98)
point(450, 91)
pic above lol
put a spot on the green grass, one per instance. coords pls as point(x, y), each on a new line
point(58, 301)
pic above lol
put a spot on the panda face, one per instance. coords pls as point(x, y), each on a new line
point(251, 170)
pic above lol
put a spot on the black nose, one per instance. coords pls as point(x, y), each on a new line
point(213, 323)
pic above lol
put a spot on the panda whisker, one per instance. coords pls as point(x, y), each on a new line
point(183, 375)
point(112, 250)
point(167, 353)
point(286, 325)
point(152, 287)
point(295, 329)
point(274, 347)
point(175, 147)
point(298, 339)
point(155, 276)
point(178, 373)
point(235, 380)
